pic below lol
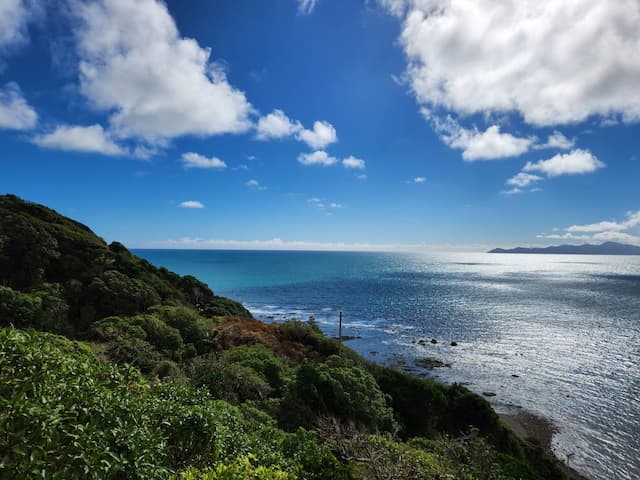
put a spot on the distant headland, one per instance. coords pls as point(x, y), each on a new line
point(607, 248)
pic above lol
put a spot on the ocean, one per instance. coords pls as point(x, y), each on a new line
point(557, 335)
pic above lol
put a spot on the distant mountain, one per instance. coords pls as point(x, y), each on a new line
point(607, 248)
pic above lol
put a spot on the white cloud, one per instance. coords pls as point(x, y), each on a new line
point(353, 162)
point(89, 139)
point(316, 202)
point(556, 140)
point(322, 205)
point(319, 157)
point(523, 179)
point(156, 84)
point(633, 220)
point(15, 111)
point(512, 191)
point(419, 180)
point(305, 7)
point(604, 231)
point(553, 62)
point(475, 145)
point(254, 185)
point(280, 244)
point(573, 163)
point(617, 237)
point(195, 160)
point(14, 18)
point(191, 204)
point(322, 135)
point(276, 125)
point(362, 176)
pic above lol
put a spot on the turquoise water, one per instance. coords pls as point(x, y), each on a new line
point(568, 326)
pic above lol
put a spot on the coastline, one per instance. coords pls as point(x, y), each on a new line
point(529, 426)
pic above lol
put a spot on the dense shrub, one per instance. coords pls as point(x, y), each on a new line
point(340, 389)
point(43, 308)
point(63, 414)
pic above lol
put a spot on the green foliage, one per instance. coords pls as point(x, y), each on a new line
point(65, 415)
point(38, 246)
point(340, 389)
point(241, 469)
point(114, 293)
point(43, 307)
point(62, 415)
point(194, 329)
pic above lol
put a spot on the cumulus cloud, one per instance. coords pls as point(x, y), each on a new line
point(319, 157)
point(552, 62)
point(155, 84)
point(15, 111)
point(556, 140)
point(322, 135)
point(276, 125)
point(75, 138)
point(305, 7)
point(573, 163)
point(195, 160)
point(476, 145)
point(523, 180)
point(353, 162)
point(191, 204)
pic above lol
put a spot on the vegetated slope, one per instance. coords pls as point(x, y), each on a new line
point(55, 273)
point(167, 380)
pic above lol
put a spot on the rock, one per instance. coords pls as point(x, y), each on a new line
point(346, 338)
point(454, 344)
point(373, 353)
point(421, 342)
point(430, 363)
point(515, 376)
point(488, 394)
point(434, 341)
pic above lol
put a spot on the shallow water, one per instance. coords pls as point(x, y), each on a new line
point(568, 326)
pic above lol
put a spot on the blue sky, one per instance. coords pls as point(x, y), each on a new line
point(326, 124)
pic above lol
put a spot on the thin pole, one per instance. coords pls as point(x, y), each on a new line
point(340, 333)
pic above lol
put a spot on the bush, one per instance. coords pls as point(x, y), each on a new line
point(339, 389)
point(43, 308)
point(241, 469)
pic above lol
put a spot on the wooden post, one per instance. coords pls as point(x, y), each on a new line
point(340, 334)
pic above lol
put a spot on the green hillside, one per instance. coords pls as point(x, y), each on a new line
point(113, 368)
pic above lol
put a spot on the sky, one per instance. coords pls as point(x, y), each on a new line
point(325, 124)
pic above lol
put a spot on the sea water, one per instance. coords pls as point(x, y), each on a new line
point(557, 335)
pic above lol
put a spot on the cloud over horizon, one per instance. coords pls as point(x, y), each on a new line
point(553, 63)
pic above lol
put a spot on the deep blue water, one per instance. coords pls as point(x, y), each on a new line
point(567, 325)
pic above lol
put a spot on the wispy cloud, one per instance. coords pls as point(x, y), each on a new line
point(281, 244)
point(625, 231)
point(254, 185)
point(191, 204)
point(417, 180)
point(305, 7)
